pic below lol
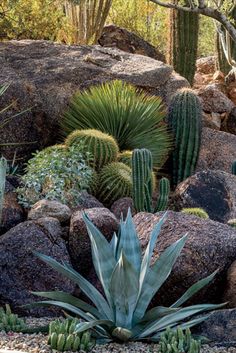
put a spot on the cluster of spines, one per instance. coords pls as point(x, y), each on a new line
point(196, 211)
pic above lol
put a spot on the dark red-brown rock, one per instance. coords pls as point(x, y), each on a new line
point(114, 36)
point(219, 328)
point(206, 65)
point(213, 100)
point(87, 201)
point(79, 242)
point(121, 207)
point(230, 290)
point(210, 246)
point(212, 190)
point(229, 123)
point(217, 151)
point(22, 272)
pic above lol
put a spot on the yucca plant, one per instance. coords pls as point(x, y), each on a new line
point(132, 117)
point(129, 283)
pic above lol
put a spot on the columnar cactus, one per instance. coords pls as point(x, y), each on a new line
point(179, 342)
point(183, 42)
point(233, 167)
point(3, 171)
point(185, 121)
point(164, 191)
point(114, 182)
point(102, 147)
point(62, 336)
point(144, 183)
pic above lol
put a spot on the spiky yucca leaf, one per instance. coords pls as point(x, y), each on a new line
point(132, 117)
point(129, 283)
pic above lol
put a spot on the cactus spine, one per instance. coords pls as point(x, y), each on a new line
point(233, 167)
point(115, 181)
point(102, 147)
point(144, 183)
point(185, 121)
point(178, 342)
point(183, 42)
point(62, 336)
point(164, 191)
point(3, 171)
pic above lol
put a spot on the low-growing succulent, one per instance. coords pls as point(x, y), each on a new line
point(115, 182)
point(56, 173)
point(62, 336)
point(199, 212)
point(102, 147)
point(10, 322)
point(129, 283)
point(178, 341)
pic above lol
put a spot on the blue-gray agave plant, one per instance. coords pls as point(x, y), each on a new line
point(129, 283)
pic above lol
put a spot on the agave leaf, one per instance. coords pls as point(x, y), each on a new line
point(194, 289)
point(158, 312)
point(175, 318)
point(113, 244)
point(157, 275)
point(70, 299)
point(84, 326)
point(149, 250)
point(129, 243)
point(124, 290)
point(183, 326)
point(91, 292)
point(103, 259)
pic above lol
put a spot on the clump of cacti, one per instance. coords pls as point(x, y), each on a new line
point(232, 222)
point(233, 167)
point(178, 341)
point(185, 121)
point(114, 182)
point(3, 171)
point(126, 157)
point(183, 42)
point(62, 336)
point(144, 183)
point(102, 147)
point(196, 211)
point(10, 322)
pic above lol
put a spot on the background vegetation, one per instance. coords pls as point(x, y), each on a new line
point(45, 19)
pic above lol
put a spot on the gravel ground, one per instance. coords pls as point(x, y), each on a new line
point(37, 343)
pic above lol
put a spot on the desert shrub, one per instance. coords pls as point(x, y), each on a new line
point(34, 19)
point(132, 117)
point(56, 173)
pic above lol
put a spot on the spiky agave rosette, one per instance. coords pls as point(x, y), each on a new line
point(129, 283)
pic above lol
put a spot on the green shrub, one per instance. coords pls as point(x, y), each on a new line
point(199, 212)
point(114, 182)
point(178, 341)
point(62, 336)
point(56, 173)
point(10, 322)
point(129, 283)
point(102, 147)
point(134, 119)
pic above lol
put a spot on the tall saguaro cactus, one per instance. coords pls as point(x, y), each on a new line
point(183, 42)
point(185, 121)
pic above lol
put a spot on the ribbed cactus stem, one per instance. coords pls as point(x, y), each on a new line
point(185, 120)
point(233, 167)
point(142, 165)
point(3, 171)
point(163, 197)
point(183, 42)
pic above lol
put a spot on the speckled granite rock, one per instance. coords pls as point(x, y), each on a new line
point(210, 246)
point(212, 190)
point(47, 208)
point(218, 150)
